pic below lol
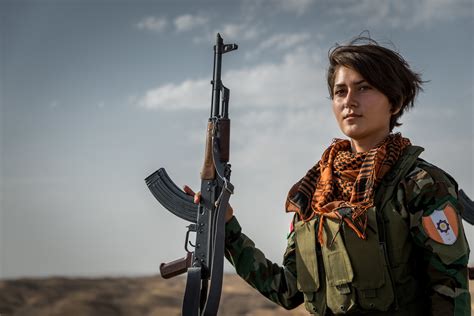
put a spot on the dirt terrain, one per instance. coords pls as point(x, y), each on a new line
point(141, 296)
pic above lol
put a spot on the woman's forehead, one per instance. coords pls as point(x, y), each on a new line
point(345, 75)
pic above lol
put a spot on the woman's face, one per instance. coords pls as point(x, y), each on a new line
point(362, 112)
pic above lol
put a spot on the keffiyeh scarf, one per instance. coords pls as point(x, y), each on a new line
point(342, 184)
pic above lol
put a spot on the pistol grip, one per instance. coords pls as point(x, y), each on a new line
point(176, 267)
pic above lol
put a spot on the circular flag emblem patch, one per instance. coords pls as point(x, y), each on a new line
point(442, 225)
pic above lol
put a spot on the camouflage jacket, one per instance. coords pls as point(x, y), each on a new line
point(441, 268)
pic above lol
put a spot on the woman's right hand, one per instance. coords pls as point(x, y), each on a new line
point(197, 198)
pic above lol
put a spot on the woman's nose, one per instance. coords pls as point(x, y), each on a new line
point(350, 100)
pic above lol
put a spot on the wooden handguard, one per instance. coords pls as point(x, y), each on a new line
point(208, 170)
point(176, 267)
point(224, 138)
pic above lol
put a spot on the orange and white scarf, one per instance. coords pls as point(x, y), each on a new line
point(342, 184)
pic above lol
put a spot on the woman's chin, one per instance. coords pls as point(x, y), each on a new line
point(353, 132)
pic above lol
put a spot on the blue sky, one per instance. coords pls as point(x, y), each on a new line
point(96, 95)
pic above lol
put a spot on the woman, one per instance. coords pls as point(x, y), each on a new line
point(376, 229)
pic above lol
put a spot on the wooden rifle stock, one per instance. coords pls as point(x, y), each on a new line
point(208, 170)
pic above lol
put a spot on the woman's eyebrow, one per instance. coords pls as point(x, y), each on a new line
point(338, 85)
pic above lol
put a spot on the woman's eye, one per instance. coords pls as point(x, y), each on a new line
point(339, 92)
point(363, 88)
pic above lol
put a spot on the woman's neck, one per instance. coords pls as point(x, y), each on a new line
point(364, 145)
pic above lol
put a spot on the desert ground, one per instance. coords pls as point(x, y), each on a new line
point(144, 296)
point(138, 296)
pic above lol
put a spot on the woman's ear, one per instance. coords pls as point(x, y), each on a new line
point(396, 109)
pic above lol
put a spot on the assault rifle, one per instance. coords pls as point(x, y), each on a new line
point(204, 265)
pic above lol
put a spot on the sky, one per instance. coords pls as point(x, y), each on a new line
point(97, 95)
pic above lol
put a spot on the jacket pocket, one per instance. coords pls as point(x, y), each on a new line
point(372, 279)
point(310, 277)
point(306, 257)
point(340, 294)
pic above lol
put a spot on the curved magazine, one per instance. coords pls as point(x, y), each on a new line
point(172, 197)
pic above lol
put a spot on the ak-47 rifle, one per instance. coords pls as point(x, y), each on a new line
point(204, 265)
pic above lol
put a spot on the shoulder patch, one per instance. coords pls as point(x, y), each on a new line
point(442, 225)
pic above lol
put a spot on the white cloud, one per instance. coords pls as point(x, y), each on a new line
point(296, 6)
point(283, 136)
point(429, 10)
point(54, 104)
point(188, 22)
point(189, 94)
point(405, 14)
point(254, 7)
point(282, 41)
point(246, 30)
point(297, 81)
point(151, 23)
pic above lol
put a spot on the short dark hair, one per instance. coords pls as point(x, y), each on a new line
point(383, 68)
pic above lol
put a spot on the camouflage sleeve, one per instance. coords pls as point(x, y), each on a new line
point(436, 226)
point(274, 282)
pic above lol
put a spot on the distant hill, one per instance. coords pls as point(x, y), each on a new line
point(141, 296)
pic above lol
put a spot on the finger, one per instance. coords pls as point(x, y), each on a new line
point(188, 190)
point(197, 197)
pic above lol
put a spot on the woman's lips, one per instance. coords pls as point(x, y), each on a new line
point(352, 115)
